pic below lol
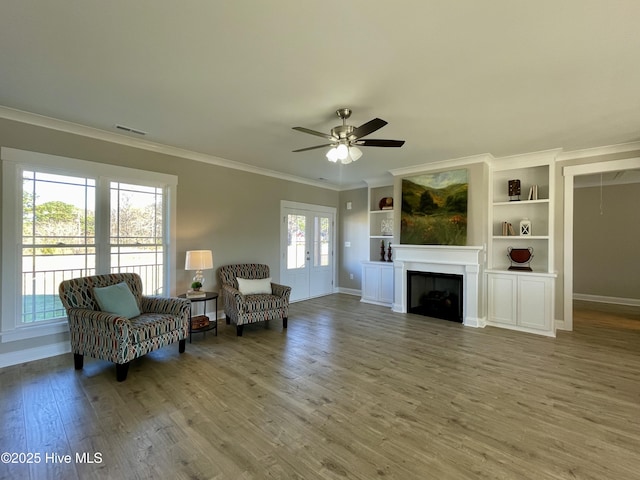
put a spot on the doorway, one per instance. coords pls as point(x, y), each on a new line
point(569, 173)
point(307, 249)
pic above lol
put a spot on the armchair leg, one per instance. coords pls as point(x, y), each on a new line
point(239, 330)
point(227, 319)
point(181, 345)
point(121, 371)
point(78, 361)
point(284, 322)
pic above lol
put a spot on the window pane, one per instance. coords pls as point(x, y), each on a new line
point(136, 233)
point(296, 241)
point(58, 234)
point(321, 242)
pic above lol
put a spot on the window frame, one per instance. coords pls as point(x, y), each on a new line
point(14, 161)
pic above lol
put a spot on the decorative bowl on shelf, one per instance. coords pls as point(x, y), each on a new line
point(386, 203)
point(520, 258)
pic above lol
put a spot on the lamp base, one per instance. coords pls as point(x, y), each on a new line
point(198, 279)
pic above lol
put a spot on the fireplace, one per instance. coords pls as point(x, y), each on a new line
point(462, 261)
point(436, 295)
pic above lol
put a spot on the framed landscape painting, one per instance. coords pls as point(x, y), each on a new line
point(434, 209)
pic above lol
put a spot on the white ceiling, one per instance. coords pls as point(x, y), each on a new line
point(230, 78)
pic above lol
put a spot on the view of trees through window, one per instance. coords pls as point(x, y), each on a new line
point(59, 242)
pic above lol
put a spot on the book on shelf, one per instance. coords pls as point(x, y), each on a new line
point(196, 294)
point(533, 192)
point(507, 229)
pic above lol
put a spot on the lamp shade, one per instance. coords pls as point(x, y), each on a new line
point(198, 260)
point(342, 152)
point(355, 153)
point(332, 155)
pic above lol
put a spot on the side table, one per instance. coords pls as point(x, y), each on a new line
point(213, 325)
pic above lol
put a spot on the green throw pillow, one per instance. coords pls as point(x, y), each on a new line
point(117, 299)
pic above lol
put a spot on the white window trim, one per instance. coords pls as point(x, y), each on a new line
point(13, 162)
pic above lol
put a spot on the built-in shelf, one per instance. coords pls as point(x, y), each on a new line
point(377, 275)
point(515, 203)
point(522, 300)
point(521, 237)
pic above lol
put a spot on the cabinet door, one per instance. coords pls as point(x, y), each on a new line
point(535, 302)
point(370, 282)
point(502, 299)
point(386, 285)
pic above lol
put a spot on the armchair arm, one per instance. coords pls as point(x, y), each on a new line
point(97, 320)
point(93, 320)
point(167, 305)
point(100, 334)
point(281, 290)
point(232, 299)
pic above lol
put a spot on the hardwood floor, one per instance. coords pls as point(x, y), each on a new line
point(349, 390)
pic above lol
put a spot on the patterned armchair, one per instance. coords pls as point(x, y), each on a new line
point(115, 338)
point(243, 309)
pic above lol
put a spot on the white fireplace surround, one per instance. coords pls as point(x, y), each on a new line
point(457, 260)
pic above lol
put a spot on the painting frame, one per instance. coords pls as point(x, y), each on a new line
point(434, 208)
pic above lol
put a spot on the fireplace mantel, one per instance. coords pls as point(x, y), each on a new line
point(459, 260)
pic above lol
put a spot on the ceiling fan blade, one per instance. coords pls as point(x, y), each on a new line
point(313, 148)
point(369, 127)
point(314, 132)
point(379, 143)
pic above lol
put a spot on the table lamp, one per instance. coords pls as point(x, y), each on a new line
point(198, 260)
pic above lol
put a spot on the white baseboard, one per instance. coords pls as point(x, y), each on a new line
point(350, 291)
point(634, 302)
point(475, 322)
point(31, 354)
point(218, 315)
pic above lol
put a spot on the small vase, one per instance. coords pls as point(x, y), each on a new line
point(389, 253)
point(382, 250)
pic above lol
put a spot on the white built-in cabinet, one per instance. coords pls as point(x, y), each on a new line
point(522, 300)
point(377, 283)
point(377, 274)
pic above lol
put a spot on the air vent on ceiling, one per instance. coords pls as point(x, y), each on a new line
point(130, 130)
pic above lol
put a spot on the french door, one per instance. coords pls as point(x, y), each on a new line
point(307, 245)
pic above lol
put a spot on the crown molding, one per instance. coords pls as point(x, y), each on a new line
point(381, 181)
point(454, 162)
point(120, 139)
point(598, 151)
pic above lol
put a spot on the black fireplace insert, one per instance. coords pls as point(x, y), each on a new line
point(436, 295)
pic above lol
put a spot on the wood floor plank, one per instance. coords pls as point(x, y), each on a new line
point(349, 390)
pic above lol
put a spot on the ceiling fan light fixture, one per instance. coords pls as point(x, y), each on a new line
point(343, 152)
point(344, 138)
point(355, 153)
point(332, 155)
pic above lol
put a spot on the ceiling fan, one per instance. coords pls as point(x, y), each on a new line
point(345, 139)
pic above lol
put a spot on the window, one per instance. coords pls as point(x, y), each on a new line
point(136, 233)
point(58, 239)
point(297, 243)
point(321, 242)
point(77, 218)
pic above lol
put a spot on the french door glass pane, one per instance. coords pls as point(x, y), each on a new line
point(297, 243)
point(58, 238)
point(321, 242)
